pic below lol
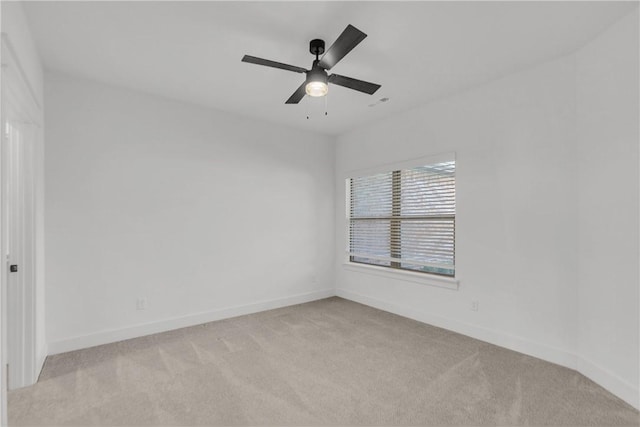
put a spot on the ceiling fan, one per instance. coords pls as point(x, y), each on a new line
point(316, 83)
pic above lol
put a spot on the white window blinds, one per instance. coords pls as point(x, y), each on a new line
point(404, 218)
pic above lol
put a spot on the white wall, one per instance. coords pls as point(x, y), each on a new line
point(204, 213)
point(607, 152)
point(16, 27)
point(17, 37)
point(515, 213)
point(547, 210)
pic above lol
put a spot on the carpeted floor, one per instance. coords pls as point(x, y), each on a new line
point(329, 362)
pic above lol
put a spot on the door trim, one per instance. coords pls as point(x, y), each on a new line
point(20, 105)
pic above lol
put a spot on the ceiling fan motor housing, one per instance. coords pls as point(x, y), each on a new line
point(317, 73)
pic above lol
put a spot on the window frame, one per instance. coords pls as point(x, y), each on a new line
point(396, 272)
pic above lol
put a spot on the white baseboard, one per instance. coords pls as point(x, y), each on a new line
point(499, 338)
point(605, 378)
point(40, 358)
point(114, 335)
point(601, 376)
point(610, 381)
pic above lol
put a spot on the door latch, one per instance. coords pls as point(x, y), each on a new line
point(13, 268)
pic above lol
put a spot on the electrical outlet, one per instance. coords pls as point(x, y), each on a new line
point(475, 305)
point(141, 304)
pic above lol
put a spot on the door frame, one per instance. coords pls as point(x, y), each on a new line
point(18, 104)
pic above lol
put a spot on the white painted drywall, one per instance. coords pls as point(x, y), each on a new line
point(547, 210)
point(608, 190)
point(16, 31)
point(16, 26)
point(515, 213)
point(196, 210)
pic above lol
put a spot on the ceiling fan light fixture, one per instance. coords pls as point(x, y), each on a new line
point(316, 88)
point(317, 81)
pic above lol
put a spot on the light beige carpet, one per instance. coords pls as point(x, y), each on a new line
point(330, 362)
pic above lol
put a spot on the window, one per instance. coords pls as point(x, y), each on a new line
point(404, 219)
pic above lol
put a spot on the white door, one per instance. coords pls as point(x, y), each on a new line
point(17, 156)
point(20, 134)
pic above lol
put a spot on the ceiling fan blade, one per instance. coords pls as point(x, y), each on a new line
point(354, 84)
point(349, 39)
point(297, 95)
point(274, 64)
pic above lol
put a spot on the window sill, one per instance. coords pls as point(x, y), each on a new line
point(407, 276)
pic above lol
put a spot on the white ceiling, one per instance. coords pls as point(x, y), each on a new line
point(417, 51)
